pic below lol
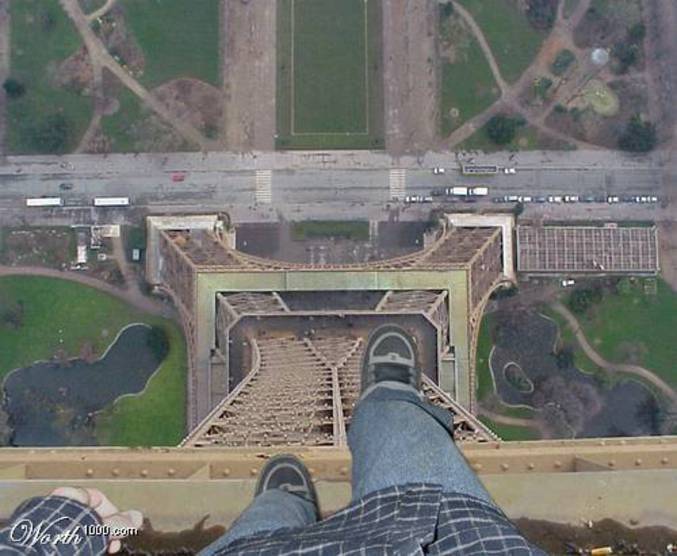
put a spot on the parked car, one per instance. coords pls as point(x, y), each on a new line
point(65, 186)
point(438, 171)
point(509, 170)
point(612, 199)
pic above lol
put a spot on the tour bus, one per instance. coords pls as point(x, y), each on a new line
point(111, 202)
point(45, 202)
point(479, 169)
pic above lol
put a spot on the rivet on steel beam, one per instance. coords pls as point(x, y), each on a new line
point(664, 461)
point(115, 472)
point(612, 463)
point(343, 471)
point(531, 466)
point(623, 442)
point(253, 471)
point(311, 470)
point(602, 443)
point(477, 466)
point(89, 472)
point(505, 466)
point(144, 472)
point(558, 464)
point(638, 462)
point(226, 472)
point(171, 472)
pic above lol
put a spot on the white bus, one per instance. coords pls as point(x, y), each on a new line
point(45, 202)
point(111, 202)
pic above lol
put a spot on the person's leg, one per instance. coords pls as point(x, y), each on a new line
point(285, 498)
point(395, 439)
point(270, 510)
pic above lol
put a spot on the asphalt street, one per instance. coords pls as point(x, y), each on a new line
point(297, 185)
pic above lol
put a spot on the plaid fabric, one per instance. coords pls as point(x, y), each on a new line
point(403, 520)
point(52, 525)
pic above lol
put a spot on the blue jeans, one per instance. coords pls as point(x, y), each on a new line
point(395, 438)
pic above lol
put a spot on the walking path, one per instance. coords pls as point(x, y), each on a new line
point(596, 358)
point(510, 93)
point(133, 296)
point(100, 57)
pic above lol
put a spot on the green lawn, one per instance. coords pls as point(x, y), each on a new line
point(133, 420)
point(329, 74)
point(513, 41)
point(640, 320)
point(59, 314)
point(510, 432)
point(42, 37)
point(467, 84)
point(485, 384)
point(178, 38)
point(122, 128)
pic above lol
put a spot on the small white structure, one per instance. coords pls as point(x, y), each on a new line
point(600, 56)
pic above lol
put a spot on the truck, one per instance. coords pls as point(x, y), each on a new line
point(457, 190)
point(45, 202)
point(479, 191)
point(111, 202)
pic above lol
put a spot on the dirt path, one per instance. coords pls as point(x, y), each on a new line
point(5, 59)
point(102, 58)
point(410, 75)
point(613, 367)
point(486, 49)
point(249, 75)
point(103, 10)
point(132, 297)
point(531, 424)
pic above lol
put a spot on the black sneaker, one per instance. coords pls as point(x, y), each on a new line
point(288, 473)
point(390, 354)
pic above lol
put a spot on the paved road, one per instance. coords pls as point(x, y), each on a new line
point(312, 185)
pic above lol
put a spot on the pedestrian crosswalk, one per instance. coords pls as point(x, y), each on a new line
point(398, 184)
point(264, 186)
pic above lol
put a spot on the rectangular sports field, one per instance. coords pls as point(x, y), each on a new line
point(329, 74)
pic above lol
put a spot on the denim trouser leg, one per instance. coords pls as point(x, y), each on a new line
point(395, 438)
point(272, 509)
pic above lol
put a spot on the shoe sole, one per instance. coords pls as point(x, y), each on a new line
point(369, 360)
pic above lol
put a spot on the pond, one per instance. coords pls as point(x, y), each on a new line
point(54, 403)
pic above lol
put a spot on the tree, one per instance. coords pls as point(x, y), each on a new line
point(639, 136)
point(541, 13)
point(446, 10)
point(13, 87)
point(627, 55)
point(501, 129)
point(158, 342)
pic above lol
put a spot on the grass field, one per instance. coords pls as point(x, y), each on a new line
point(178, 39)
point(329, 74)
point(485, 384)
point(511, 432)
point(467, 84)
point(58, 314)
point(42, 37)
point(513, 41)
point(121, 127)
point(639, 322)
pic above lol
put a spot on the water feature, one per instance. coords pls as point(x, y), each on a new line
point(53, 404)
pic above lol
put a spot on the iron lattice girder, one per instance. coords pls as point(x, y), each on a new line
point(299, 391)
